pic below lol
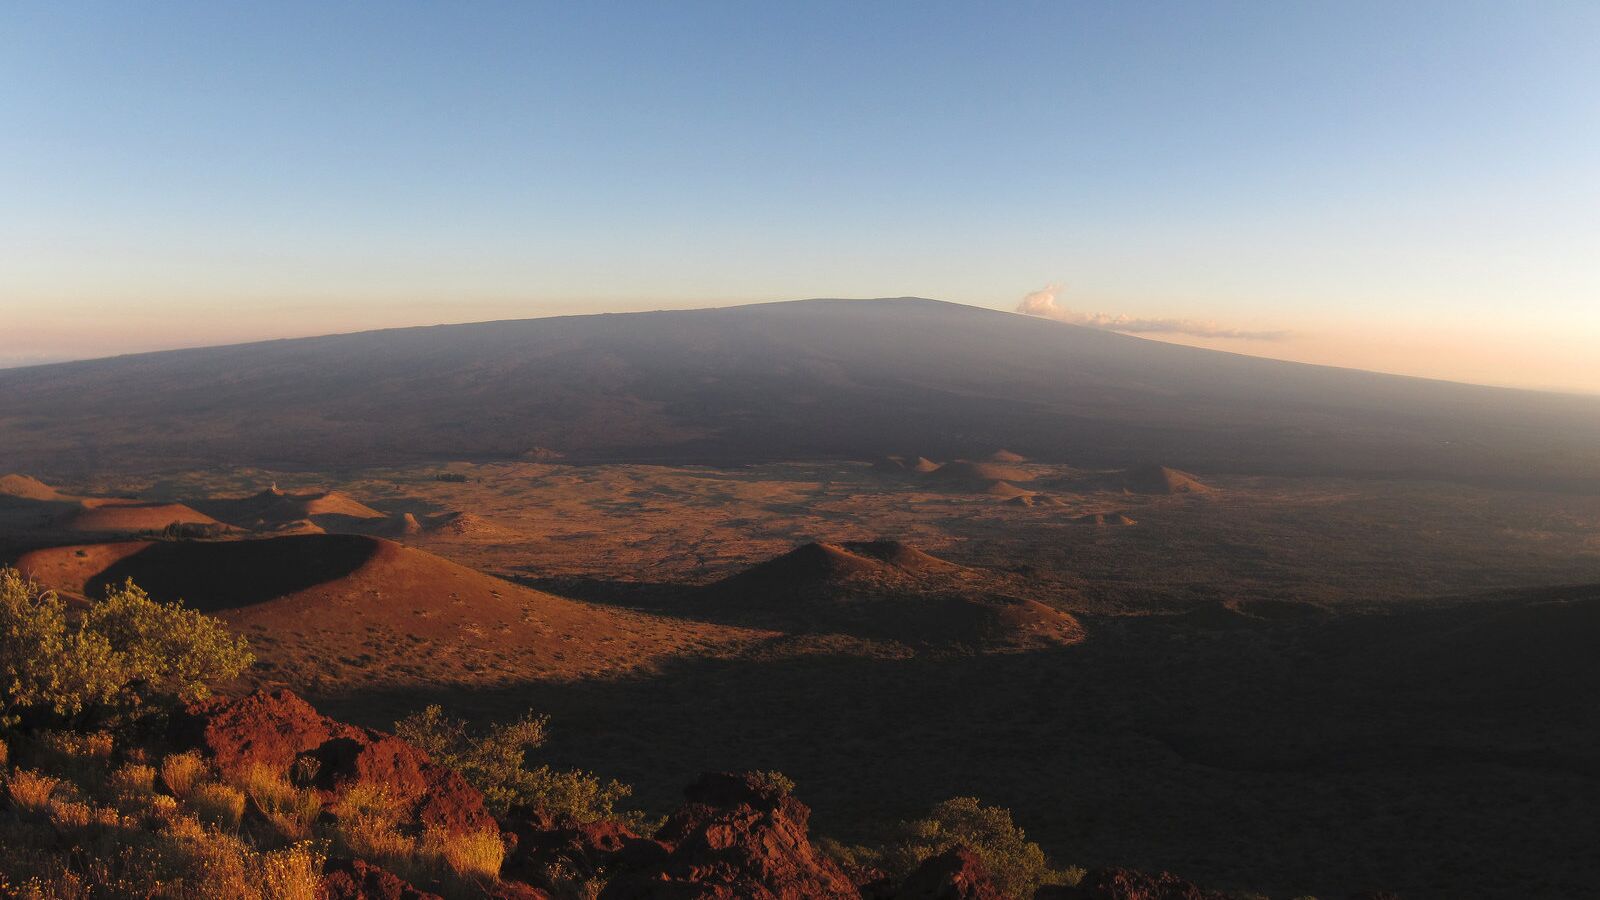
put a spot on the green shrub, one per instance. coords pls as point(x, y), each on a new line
point(1017, 864)
point(775, 780)
point(495, 763)
point(125, 650)
point(167, 649)
point(43, 662)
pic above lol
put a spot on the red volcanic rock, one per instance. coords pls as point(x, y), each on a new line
point(956, 874)
point(268, 728)
point(275, 729)
point(737, 837)
point(1127, 884)
point(354, 879)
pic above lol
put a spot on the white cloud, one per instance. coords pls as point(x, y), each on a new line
point(1042, 303)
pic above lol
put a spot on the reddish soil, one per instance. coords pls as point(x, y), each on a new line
point(26, 488)
point(120, 517)
point(332, 613)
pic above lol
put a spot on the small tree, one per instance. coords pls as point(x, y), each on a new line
point(124, 651)
point(44, 664)
point(168, 651)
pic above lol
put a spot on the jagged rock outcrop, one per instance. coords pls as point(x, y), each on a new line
point(737, 837)
point(277, 729)
point(956, 874)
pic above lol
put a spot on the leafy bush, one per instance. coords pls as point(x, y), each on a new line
point(124, 651)
point(168, 650)
point(774, 780)
point(43, 662)
point(495, 763)
point(1017, 864)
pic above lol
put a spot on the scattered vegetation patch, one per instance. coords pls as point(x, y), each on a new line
point(494, 761)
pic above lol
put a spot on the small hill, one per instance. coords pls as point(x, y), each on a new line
point(335, 503)
point(273, 509)
point(894, 465)
point(399, 525)
point(1031, 499)
point(962, 470)
point(822, 563)
point(1161, 480)
point(965, 476)
point(298, 526)
point(1005, 490)
point(809, 564)
point(1105, 518)
point(122, 517)
point(24, 487)
point(335, 613)
point(887, 590)
point(901, 555)
point(1152, 479)
point(889, 464)
point(465, 524)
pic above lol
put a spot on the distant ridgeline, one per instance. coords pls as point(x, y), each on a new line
point(807, 379)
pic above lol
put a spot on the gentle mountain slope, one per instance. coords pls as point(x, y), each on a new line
point(807, 379)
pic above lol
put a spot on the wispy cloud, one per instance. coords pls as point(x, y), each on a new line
point(1043, 303)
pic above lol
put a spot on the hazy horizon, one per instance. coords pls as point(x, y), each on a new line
point(1279, 350)
point(1406, 190)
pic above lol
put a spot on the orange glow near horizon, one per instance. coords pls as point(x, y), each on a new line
point(1475, 355)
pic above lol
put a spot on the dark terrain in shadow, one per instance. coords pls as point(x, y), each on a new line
point(1443, 753)
point(230, 574)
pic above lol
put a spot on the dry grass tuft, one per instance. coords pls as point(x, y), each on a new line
point(293, 873)
point(30, 790)
point(375, 838)
point(291, 810)
point(217, 804)
point(476, 855)
point(181, 771)
point(132, 780)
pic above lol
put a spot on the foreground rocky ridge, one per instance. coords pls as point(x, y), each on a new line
point(736, 836)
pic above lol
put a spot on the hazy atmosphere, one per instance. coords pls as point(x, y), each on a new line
point(1401, 188)
point(799, 451)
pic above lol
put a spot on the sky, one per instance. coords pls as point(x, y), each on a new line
point(1406, 187)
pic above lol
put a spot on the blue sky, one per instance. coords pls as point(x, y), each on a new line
point(1411, 187)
